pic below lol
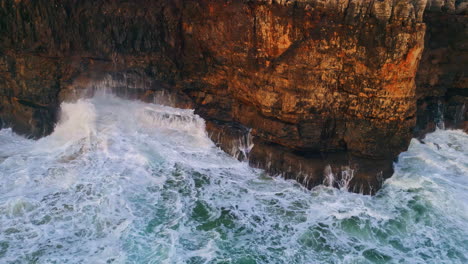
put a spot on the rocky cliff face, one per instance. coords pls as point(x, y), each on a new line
point(308, 77)
point(442, 79)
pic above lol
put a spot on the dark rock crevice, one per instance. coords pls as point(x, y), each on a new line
point(442, 79)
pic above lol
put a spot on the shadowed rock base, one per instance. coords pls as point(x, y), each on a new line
point(340, 169)
point(27, 118)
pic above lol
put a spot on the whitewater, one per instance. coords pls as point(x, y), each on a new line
point(122, 181)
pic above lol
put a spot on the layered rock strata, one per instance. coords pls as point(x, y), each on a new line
point(306, 78)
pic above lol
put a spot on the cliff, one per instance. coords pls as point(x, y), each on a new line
point(308, 77)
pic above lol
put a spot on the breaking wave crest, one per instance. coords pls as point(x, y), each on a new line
point(128, 182)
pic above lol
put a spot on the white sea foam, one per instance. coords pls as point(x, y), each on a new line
point(127, 182)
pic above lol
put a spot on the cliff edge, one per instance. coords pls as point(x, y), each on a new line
point(318, 84)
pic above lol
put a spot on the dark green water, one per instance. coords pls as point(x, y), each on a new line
point(129, 182)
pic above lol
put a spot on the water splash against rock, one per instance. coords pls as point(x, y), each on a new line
point(129, 182)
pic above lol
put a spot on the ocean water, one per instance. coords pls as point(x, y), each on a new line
point(129, 182)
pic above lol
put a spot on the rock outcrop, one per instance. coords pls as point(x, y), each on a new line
point(310, 80)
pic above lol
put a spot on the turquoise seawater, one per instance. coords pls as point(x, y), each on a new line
point(128, 182)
